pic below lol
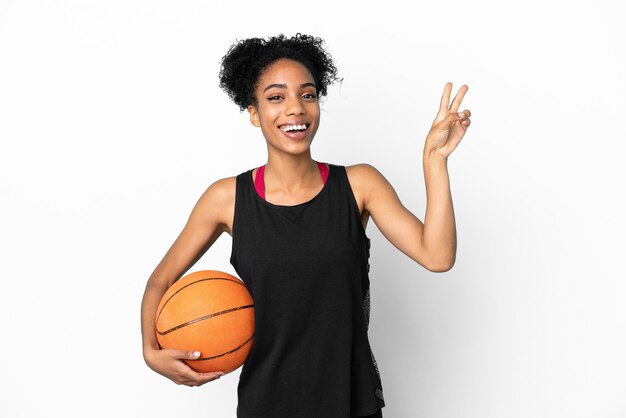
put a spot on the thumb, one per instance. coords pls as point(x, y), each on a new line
point(187, 355)
point(453, 117)
point(464, 114)
point(445, 123)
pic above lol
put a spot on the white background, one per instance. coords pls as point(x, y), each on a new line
point(112, 125)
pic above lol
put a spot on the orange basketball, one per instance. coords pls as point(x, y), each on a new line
point(208, 311)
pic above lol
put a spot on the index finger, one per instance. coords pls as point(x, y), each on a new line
point(445, 100)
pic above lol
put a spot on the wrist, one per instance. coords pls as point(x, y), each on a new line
point(148, 352)
point(434, 158)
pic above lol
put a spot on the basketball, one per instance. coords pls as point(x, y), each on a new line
point(208, 311)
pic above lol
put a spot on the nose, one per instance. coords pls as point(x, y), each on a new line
point(294, 106)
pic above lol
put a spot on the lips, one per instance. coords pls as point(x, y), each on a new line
point(293, 127)
point(295, 130)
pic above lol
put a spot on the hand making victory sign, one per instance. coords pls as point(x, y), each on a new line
point(449, 126)
point(431, 243)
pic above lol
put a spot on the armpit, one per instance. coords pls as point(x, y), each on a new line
point(365, 217)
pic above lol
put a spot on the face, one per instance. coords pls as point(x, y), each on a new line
point(287, 109)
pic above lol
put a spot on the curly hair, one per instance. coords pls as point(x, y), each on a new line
point(245, 61)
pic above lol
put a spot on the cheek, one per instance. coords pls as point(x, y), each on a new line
point(267, 113)
point(316, 114)
point(313, 109)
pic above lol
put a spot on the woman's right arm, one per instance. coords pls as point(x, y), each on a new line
point(211, 216)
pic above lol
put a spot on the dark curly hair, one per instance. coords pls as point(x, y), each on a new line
point(246, 59)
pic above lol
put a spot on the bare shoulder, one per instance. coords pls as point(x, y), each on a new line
point(369, 186)
point(223, 189)
point(362, 173)
point(363, 177)
point(218, 202)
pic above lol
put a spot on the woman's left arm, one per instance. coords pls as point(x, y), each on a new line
point(432, 243)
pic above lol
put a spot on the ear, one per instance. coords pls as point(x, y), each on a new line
point(254, 116)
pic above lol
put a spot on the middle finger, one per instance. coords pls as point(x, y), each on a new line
point(456, 103)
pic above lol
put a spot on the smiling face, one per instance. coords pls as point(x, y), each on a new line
point(287, 108)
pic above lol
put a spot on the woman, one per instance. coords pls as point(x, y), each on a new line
point(299, 242)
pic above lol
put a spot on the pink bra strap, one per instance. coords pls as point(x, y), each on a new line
point(324, 170)
point(259, 180)
point(259, 183)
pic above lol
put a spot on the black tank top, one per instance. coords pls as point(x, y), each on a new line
point(306, 267)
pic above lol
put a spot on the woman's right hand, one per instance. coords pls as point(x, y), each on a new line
point(169, 363)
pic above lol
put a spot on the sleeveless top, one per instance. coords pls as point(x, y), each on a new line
point(306, 267)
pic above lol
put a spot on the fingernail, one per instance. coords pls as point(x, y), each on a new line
point(196, 354)
point(462, 115)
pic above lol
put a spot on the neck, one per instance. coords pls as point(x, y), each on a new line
point(291, 173)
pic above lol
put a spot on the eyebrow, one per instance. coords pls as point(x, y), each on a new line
point(284, 86)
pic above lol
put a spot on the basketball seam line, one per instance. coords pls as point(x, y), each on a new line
point(239, 282)
point(228, 352)
point(202, 318)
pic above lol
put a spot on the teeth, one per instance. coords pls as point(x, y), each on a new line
point(288, 128)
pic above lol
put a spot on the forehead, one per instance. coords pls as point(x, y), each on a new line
point(283, 71)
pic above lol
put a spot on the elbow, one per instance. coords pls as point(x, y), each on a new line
point(440, 266)
point(440, 269)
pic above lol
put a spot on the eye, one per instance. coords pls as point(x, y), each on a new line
point(310, 96)
point(274, 97)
